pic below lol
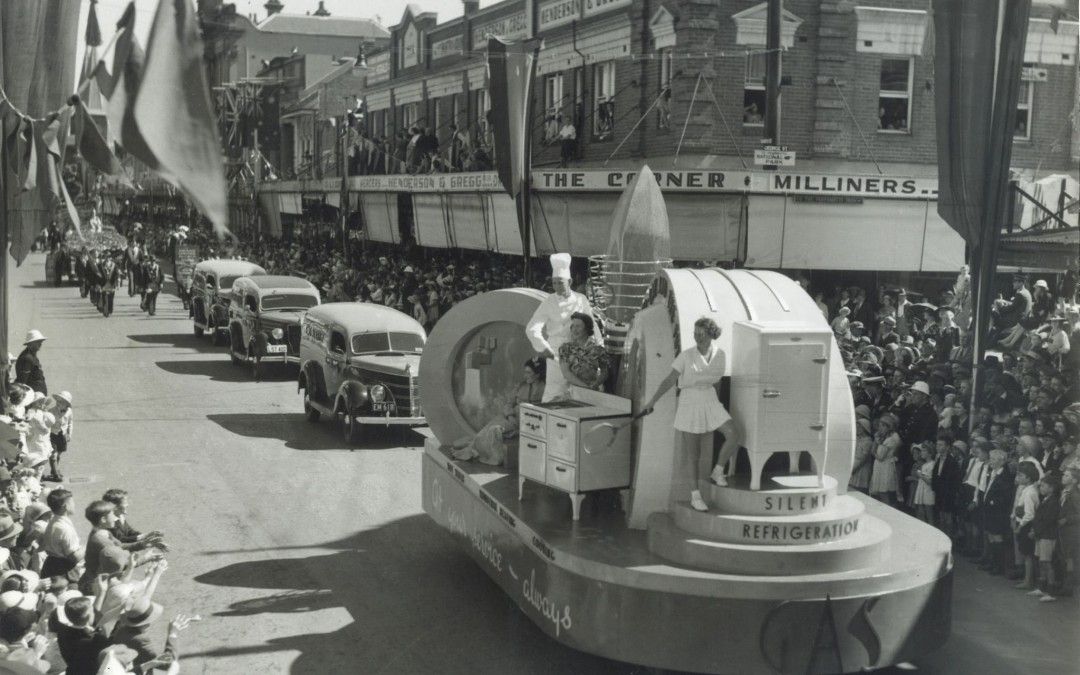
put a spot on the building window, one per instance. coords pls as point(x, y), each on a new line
point(663, 106)
point(455, 110)
point(483, 128)
point(754, 91)
point(1023, 111)
point(436, 117)
point(553, 101)
point(408, 115)
point(894, 98)
point(604, 100)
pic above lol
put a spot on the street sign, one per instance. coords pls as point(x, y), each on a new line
point(774, 155)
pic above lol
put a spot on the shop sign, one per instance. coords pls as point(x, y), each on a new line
point(558, 13)
point(437, 182)
point(409, 46)
point(898, 187)
point(774, 155)
point(453, 46)
point(378, 68)
point(512, 27)
point(594, 7)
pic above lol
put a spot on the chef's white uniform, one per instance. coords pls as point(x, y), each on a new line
point(549, 329)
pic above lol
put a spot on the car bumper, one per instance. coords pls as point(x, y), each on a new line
point(392, 421)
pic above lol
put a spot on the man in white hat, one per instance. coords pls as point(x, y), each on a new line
point(28, 367)
point(918, 423)
point(549, 327)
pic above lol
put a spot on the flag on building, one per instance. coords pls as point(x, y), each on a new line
point(174, 113)
point(88, 87)
point(978, 59)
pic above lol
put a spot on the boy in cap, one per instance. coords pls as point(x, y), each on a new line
point(549, 327)
point(79, 642)
point(132, 632)
point(60, 434)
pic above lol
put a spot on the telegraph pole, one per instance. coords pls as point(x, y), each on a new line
point(772, 72)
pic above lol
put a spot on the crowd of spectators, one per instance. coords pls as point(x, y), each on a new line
point(417, 150)
point(69, 604)
point(1004, 485)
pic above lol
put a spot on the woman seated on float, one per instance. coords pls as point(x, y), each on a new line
point(583, 360)
point(489, 445)
point(699, 413)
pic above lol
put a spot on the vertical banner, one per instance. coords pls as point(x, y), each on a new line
point(511, 69)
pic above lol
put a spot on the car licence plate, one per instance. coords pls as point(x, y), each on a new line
point(382, 406)
point(276, 349)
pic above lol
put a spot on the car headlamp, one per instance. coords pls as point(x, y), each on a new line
point(277, 333)
point(378, 393)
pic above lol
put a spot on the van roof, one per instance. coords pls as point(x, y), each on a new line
point(279, 281)
point(361, 317)
point(231, 267)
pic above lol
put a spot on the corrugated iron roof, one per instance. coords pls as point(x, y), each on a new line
point(330, 26)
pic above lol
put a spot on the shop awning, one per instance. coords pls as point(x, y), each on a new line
point(378, 100)
point(702, 228)
point(269, 205)
point(409, 93)
point(874, 234)
point(380, 212)
point(429, 218)
point(290, 202)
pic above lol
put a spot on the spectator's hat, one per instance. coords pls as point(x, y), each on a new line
point(9, 531)
point(1041, 283)
point(889, 419)
point(17, 599)
point(845, 310)
point(864, 424)
point(1020, 276)
point(855, 324)
point(889, 320)
point(560, 266)
point(34, 336)
point(142, 613)
point(116, 660)
point(61, 605)
point(907, 340)
point(408, 269)
point(64, 396)
point(29, 576)
point(113, 560)
point(921, 387)
point(862, 411)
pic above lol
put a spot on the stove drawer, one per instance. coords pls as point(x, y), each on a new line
point(561, 476)
point(562, 438)
point(533, 422)
point(532, 458)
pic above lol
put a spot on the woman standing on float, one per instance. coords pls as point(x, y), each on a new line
point(699, 413)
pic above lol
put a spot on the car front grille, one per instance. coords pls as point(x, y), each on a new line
point(292, 334)
point(402, 387)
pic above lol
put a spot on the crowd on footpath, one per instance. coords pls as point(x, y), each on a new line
point(68, 604)
point(104, 262)
point(1003, 486)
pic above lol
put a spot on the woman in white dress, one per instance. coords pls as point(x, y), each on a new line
point(699, 413)
point(883, 483)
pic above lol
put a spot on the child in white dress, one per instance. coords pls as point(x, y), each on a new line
point(924, 491)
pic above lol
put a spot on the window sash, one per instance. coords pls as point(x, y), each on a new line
point(898, 94)
point(1025, 103)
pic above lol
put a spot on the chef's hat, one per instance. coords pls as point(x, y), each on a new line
point(560, 266)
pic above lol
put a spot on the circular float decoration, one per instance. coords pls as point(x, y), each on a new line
point(473, 359)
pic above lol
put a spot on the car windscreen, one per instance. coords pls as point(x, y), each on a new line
point(227, 281)
point(387, 342)
point(282, 301)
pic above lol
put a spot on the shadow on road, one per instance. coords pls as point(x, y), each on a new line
point(299, 434)
point(419, 604)
point(178, 340)
point(223, 370)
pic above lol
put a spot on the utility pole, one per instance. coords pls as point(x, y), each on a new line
point(772, 72)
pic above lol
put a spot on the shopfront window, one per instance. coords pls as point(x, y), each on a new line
point(1023, 111)
point(754, 91)
point(553, 100)
point(604, 100)
point(409, 115)
point(894, 98)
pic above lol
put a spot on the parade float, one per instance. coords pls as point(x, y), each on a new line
point(585, 525)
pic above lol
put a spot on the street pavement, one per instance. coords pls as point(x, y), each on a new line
point(302, 556)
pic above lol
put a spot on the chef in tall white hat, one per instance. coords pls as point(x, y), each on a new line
point(549, 326)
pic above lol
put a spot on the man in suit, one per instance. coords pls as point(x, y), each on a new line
point(945, 482)
point(110, 279)
point(154, 278)
point(997, 510)
point(1011, 312)
point(131, 257)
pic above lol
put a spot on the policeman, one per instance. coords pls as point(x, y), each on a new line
point(154, 278)
point(110, 279)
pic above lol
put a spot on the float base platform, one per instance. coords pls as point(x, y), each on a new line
point(594, 585)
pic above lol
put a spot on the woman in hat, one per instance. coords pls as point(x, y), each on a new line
point(885, 447)
point(698, 412)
